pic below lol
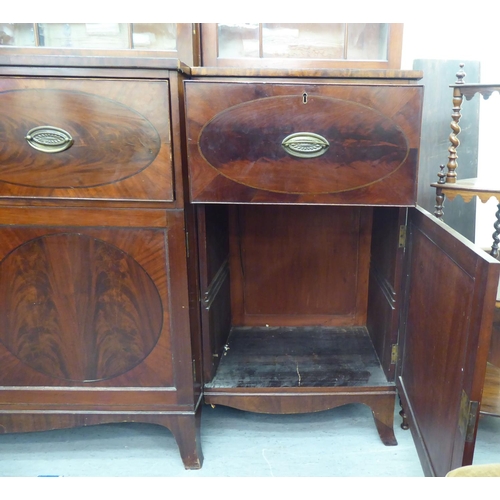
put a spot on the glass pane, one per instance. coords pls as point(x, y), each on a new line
point(304, 40)
point(21, 34)
point(154, 36)
point(85, 36)
point(238, 40)
point(367, 41)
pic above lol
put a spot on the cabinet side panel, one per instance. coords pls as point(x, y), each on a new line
point(214, 284)
point(384, 296)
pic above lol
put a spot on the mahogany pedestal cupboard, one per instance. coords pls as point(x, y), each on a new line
point(246, 235)
point(97, 323)
point(323, 284)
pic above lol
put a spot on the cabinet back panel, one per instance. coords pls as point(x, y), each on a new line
point(299, 265)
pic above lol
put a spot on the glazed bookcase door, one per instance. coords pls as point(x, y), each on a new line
point(171, 40)
point(450, 293)
point(302, 45)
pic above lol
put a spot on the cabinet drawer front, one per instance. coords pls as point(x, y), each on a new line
point(303, 143)
point(85, 139)
point(91, 306)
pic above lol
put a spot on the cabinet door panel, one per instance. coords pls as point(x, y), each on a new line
point(92, 307)
point(450, 296)
point(72, 138)
point(309, 143)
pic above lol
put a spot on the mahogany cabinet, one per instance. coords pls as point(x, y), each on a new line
point(99, 320)
point(247, 236)
point(322, 283)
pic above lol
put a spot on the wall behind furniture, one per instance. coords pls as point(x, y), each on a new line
point(434, 142)
point(465, 35)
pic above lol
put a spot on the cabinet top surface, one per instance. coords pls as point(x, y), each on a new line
point(69, 59)
point(307, 73)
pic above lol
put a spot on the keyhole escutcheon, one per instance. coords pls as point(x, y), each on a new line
point(304, 98)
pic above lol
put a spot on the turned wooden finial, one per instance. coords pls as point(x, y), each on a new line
point(441, 175)
point(460, 75)
point(439, 206)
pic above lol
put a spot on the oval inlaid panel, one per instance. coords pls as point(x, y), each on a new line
point(244, 143)
point(77, 308)
point(111, 141)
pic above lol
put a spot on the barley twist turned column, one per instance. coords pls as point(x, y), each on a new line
point(451, 176)
point(496, 235)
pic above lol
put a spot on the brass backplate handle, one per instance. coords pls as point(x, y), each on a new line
point(49, 139)
point(305, 145)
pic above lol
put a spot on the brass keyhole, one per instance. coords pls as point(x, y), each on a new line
point(304, 98)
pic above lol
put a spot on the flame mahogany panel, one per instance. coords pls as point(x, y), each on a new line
point(85, 306)
point(72, 310)
point(121, 135)
point(235, 134)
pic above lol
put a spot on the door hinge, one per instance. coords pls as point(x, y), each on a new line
point(394, 354)
point(469, 411)
point(187, 244)
point(402, 236)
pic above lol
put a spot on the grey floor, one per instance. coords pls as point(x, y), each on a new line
point(341, 442)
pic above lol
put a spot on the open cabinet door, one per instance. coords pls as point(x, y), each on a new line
point(450, 288)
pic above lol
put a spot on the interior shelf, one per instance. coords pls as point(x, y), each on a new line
point(468, 188)
point(294, 357)
point(469, 90)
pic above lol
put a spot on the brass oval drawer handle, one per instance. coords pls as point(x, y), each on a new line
point(49, 139)
point(305, 145)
